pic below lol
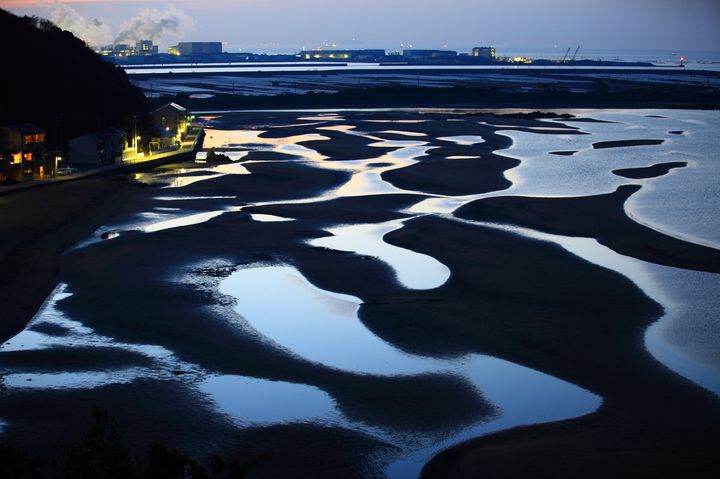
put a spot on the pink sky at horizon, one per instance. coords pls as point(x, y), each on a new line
point(608, 24)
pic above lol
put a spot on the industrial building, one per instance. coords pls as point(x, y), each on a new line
point(196, 48)
point(485, 53)
point(141, 48)
point(22, 152)
point(367, 55)
point(145, 47)
point(428, 54)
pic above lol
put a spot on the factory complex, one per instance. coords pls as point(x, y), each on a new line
point(145, 51)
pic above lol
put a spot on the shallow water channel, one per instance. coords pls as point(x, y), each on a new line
point(273, 302)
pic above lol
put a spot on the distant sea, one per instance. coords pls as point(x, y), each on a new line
point(707, 60)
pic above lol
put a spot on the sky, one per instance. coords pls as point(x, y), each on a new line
point(289, 25)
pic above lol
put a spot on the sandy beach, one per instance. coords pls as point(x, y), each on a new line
point(162, 328)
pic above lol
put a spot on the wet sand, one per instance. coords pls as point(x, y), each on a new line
point(626, 143)
point(650, 171)
point(523, 300)
point(601, 217)
point(37, 226)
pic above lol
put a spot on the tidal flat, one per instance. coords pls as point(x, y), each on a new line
point(385, 293)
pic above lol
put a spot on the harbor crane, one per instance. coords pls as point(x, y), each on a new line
point(565, 56)
point(574, 54)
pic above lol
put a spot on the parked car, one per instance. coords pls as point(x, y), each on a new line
point(66, 170)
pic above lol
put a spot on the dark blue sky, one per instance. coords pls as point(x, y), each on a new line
point(253, 24)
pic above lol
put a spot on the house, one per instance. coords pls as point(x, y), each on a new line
point(99, 148)
point(172, 118)
point(22, 152)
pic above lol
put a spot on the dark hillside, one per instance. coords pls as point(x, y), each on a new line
point(48, 73)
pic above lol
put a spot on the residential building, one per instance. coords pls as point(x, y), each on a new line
point(99, 148)
point(22, 152)
point(172, 118)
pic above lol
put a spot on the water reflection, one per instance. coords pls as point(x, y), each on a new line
point(464, 140)
point(323, 326)
point(253, 401)
point(413, 270)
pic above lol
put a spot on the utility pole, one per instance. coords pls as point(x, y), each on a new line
point(56, 152)
point(133, 141)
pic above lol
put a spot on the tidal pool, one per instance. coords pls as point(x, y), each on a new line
point(323, 326)
point(413, 270)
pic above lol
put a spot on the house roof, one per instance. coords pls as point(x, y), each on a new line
point(175, 106)
point(103, 134)
point(25, 128)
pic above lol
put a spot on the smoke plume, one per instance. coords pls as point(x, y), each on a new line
point(153, 24)
point(92, 32)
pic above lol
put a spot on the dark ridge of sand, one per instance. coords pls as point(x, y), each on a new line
point(140, 304)
point(49, 329)
point(173, 415)
point(676, 132)
point(528, 301)
point(265, 155)
point(145, 299)
point(434, 174)
point(649, 171)
point(545, 130)
point(78, 358)
point(564, 153)
point(590, 120)
point(443, 177)
point(288, 131)
point(521, 115)
point(346, 147)
point(656, 116)
point(398, 137)
point(601, 217)
point(435, 127)
point(347, 210)
point(37, 226)
point(249, 145)
point(269, 181)
point(532, 303)
point(625, 143)
point(479, 309)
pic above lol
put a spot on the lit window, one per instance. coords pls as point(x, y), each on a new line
point(28, 156)
point(16, 158)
